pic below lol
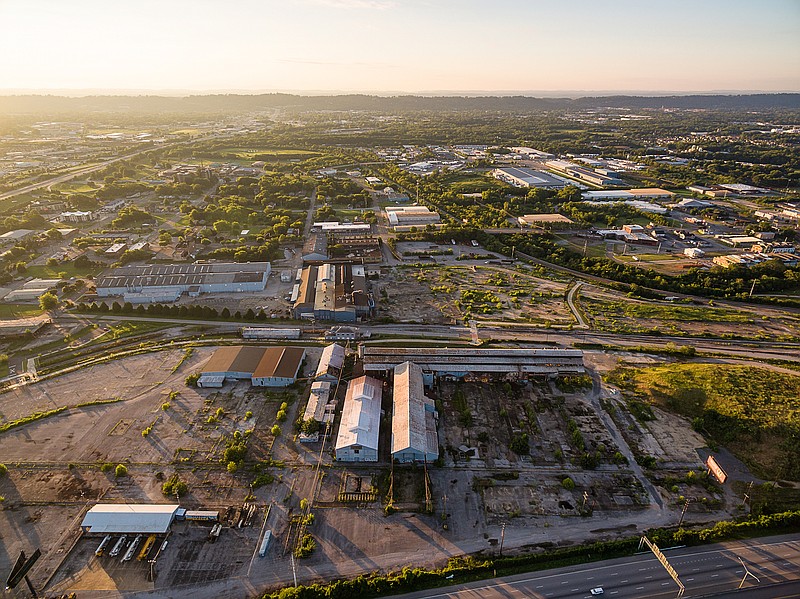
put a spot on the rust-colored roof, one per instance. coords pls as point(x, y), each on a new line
point(282, 362)
point(235, 359)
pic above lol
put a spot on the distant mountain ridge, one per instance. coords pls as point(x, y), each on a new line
point(33, 104)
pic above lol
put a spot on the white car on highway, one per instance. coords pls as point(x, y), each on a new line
point(597, 591)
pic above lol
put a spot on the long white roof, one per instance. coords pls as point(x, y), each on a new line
point(116, 518)
point(411, 426)
point(361, 414)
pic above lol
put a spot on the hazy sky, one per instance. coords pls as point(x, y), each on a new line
point(400, 45)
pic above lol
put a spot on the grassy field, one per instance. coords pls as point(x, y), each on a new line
point(10, 311)
point(283, 154)
point(661, 312)
point(473, 183)
point(755, 412)
point(53, 272)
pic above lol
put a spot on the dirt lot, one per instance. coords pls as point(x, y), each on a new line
point(457, 508)
point(433, 293)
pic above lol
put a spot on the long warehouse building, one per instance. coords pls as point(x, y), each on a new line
point(459, 363)
point(166, 282)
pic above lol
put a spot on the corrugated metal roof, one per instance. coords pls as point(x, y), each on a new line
point(332, 358)
point(317, 400)
point(281, 362)
point(410, 424)
point(361, 414)
point(235, 359)
point(129, 518)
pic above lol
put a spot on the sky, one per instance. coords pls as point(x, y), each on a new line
point(400, 46)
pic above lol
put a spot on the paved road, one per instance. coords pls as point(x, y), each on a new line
point(571, 303)
point(713, 570)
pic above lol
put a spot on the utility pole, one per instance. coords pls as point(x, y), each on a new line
point(753, 287)
point(683, 512)
point(746, 499)
point(294, 572)
point(502, 538)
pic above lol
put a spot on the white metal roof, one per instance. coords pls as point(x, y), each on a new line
point(317, 400)
point(111, 518)
point(410, 426)
point(332, 357)
point(361, 414)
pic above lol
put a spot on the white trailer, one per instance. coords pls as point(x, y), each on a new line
point(265, 543)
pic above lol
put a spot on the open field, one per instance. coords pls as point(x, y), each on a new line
point(12, 311)
point(752, 411)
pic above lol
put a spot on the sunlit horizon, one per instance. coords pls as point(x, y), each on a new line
point(388, 47)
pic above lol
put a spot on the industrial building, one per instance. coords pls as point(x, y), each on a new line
point(474, 362)
point(321, 408)
point(599, 177)
point(127, 518)
point(269, 333)
point(77, 216)
point(417, 216)
point(633, 234)
point(146, 282)
point(644, 193)
point(525, 177)
point(413, 417)
point(331, 363)
point(357, 440)
point(264, 366)
point(336, 292)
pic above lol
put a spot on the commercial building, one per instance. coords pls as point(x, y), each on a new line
point(460, 363)
point(414, 417)
point(531, 153)
point(525, 177)
point(645, 193)
point(315, 248)
point(357, 440)
point(127, 518)
point(264, 366)
point(321, 408)
point(76, 217)
point(194, 279)
point(749, 260)
point(417, 216)
point(11, 237)
point(330, 363)
point(633, 234)
point(600, 177)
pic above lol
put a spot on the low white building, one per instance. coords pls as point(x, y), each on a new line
point(357, 440)
point(77, 216)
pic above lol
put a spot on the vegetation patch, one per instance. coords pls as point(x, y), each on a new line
point(753, 411)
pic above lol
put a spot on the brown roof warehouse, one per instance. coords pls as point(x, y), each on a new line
point(264, 366)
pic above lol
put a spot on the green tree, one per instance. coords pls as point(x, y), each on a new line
point(120, 471)
point(48, 301)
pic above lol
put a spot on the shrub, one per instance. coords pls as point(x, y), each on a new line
point(106, 467)
point(165, 406)
point(568, 484)
point(121, 470)
point(248, 414)
point(275, 430)
point(191, 380)
point(3, 470)
point(306, 546)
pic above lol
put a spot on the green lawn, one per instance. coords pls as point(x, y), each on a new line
point(11, 311)
point(53, 272)
point(661, 312)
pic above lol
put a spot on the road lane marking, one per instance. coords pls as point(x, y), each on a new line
point(621, 581)
point(639, 588)
point(663, 584)
point(689, 579)
point(714, 575)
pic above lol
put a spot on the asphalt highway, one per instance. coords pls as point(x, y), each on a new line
point(708, 571)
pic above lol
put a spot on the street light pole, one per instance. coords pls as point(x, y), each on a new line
point(502, 538)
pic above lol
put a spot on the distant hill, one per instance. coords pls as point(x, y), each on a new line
point(236, 103)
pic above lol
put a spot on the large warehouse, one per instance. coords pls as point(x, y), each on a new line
point(458, 363)
point(166, 282)
point(125, 518)
point(525, 177)
point(264, 366)
point(357, 440)
point(413, 417)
